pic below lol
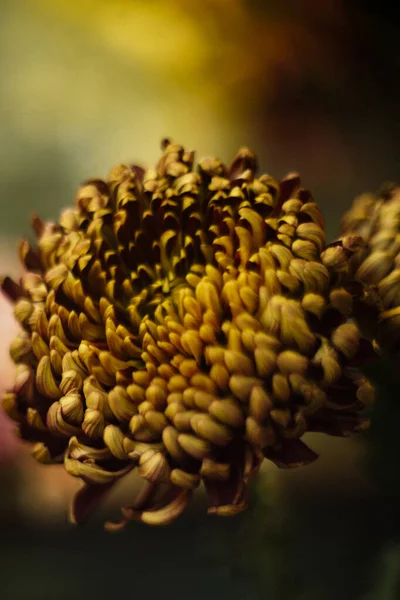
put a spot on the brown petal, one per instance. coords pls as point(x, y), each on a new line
point(228, 497)
point(292, 453)
point(86, 500)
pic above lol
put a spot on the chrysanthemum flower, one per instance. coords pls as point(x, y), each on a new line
point(187, 322)
point(376, 218)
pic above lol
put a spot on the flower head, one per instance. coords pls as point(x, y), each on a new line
point(187, 322)
point(376, 218)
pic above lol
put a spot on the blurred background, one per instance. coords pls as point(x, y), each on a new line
point(311, 87)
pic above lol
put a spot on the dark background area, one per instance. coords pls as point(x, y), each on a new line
point(310, 86)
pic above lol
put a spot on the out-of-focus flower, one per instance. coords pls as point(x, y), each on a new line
point(8, 330)
point(187, 322)
point(376, 218)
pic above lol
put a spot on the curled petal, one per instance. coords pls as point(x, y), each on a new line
point(92, 473)
point(172, 503)
point(80, 451)
point(57, 424)
point(166, 514)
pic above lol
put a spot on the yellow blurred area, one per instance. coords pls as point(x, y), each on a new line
point(205, 44)
point(157, 34)
point(96, 82)
point(108, 80)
